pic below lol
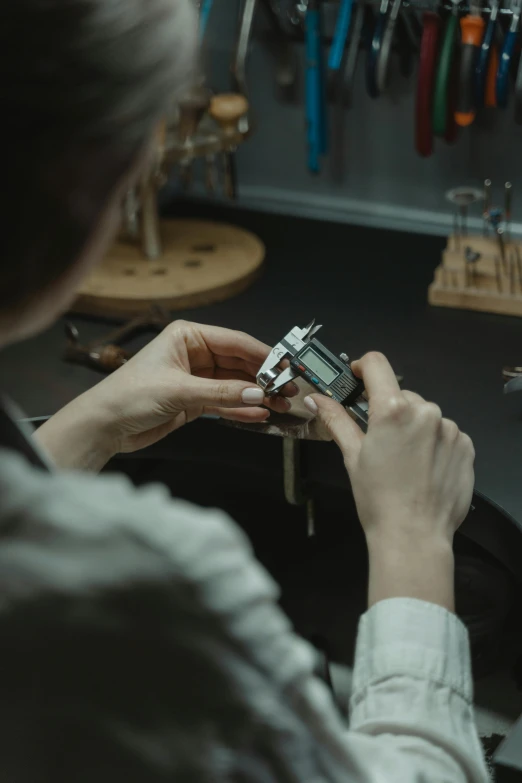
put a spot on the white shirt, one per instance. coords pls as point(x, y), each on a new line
point(411, 707)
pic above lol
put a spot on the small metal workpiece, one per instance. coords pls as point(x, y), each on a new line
point(309, 359)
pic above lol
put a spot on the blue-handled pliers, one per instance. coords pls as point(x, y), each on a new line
point(483, 59)
point(508, 48)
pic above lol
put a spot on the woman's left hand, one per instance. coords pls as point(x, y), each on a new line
point(188, 370)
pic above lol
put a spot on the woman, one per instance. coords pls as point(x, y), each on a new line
point(139, 640)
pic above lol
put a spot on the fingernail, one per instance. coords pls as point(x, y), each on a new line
point(253, 396)
point(294, 387)
point(311, 405)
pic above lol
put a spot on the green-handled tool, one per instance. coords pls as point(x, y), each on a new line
point(444, 70)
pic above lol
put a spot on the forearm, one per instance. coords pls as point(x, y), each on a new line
point(78, 437)
point(404, 567)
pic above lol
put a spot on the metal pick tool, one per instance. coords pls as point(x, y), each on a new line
point(462, 198)
point(487, 206)
point(472, 256)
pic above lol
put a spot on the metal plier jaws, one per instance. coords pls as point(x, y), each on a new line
point(272, 377)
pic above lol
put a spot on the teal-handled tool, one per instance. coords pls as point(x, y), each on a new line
point(316, 109)
point(342, 28)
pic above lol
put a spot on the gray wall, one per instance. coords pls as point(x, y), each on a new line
point(380, 180)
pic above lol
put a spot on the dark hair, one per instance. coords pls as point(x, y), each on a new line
point(83, 84)
point(113, 669)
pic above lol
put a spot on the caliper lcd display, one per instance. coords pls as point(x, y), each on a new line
point(324, 371)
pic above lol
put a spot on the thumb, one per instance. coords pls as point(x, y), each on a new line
point(343, 429)
point(220, 394)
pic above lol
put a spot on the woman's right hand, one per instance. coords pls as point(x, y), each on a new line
point(412, 473)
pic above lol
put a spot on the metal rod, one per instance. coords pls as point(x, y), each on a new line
point(508, 197)
point(487, 205)
point(519, 267)
point(498, 275)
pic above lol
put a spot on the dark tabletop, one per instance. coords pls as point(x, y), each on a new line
point(369, 289)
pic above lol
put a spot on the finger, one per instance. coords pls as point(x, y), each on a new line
point(412, 397)
point(278, 404)
point(227, 342)
point(246, 415)
point(449, 430)
point(233, 375)
point(344, 431)
point(218, 393)
point(378, 376)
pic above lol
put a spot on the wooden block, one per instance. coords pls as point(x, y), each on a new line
point(487, 285)
point(201, 262)
point(474, 299)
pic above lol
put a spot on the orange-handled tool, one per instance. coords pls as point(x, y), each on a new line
point(490, 100)
point(472, 29)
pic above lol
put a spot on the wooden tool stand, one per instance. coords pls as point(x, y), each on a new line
point(177, 264)
point(488, 283)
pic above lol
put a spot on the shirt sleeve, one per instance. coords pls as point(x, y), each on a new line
point(412, 706)
point(413, 694)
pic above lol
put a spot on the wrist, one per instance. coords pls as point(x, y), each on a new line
point(81, 436)
point(416, 566)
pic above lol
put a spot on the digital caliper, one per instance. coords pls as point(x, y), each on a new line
point(323, 370)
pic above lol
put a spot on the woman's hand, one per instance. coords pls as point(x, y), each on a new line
point(412, 479)
point(188, 370)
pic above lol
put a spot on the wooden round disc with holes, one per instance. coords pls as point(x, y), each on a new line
point(202, 262)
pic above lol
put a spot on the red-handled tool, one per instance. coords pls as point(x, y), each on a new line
point(425, 84)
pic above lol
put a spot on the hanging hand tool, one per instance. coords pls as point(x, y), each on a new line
point(204, 13)
point(315, 88)
point(279, 42)
point(472, 31)
point(409, 34)
point(490, 98)
point(243, 42)
point(487, 49)
point(340, 37)
point(506, 56)
point(518, 95)
point(444, 71)
point(353, 52)
point(428, 59)
point(375, 50)
point(383, 58)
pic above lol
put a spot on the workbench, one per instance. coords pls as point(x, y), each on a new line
point(369, 289)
